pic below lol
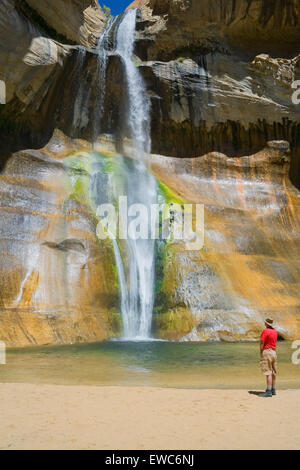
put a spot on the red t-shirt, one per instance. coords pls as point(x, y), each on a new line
point(269, 336)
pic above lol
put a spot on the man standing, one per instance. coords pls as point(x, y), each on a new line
point(268, 343)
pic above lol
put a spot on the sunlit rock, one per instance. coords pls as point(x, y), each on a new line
point(249, 266)
point(219, 76)
point(58, 284)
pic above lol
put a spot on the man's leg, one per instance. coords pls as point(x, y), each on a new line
point(266, 368)
point(273, 384)
point(274, 372)
point(268, 392)
point(269, 382)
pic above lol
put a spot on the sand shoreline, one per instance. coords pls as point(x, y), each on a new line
point(109, 418)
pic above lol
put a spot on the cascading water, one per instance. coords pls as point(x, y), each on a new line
point(84, 95)
point(131, 179)
point(102, 55)
point(77, 111)
point(140, 188)
point(139, 103)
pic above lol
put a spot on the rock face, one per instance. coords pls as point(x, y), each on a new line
point(58, 284)
point(31, 66)
point(221, 103)
point(173, 27)
point(249, 267)
point(79, 21)
point(221, 74)
point(36, 69)
point(212, 88)
point(220, 78)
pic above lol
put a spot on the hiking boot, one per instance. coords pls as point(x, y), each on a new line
point(273, 391)
point(267, 394)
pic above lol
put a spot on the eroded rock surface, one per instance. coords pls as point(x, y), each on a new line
point(249, 267)
point(31, 65)
point(207, 94)
point(219, 75)
point(58, 284)
point(79, 21)
point(175, 27)
point(221, 103)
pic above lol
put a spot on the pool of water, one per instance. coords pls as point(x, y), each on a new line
point(163, 364)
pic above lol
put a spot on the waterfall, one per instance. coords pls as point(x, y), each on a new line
point(139, 103)
point(77, 111)
point(136, 275)
point(123, 285)
point(140, 188)
point(83, 96)
point(102, 55)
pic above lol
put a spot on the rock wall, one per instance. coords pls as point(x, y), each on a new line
point(219, 75)
point(42, 75)
point(213, 81)
point(220, 103)
point(249, 267)
point(58, 284)
point(78, 21)
point(31, 65)
point(206, 95)
point(250, 26)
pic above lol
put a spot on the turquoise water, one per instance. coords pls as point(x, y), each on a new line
point(163, 364)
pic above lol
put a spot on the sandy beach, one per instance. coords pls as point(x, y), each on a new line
point(89, 417)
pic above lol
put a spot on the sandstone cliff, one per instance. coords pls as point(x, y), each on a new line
point(39, 67)
point(249, 267)
point(219, 75)
point(58, 284)
point(251, 26)
point(78, 21)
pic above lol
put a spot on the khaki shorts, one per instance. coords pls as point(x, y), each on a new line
point(268, 362)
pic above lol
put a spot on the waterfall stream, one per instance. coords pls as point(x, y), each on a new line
point(78, 105)
point(139, 102)
point(141, 189)
point(102, 55)
point(135, 182)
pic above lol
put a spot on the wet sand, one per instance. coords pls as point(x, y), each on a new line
point(89, 417)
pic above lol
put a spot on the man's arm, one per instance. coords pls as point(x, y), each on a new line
point(262, 345)
point(262, 342)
